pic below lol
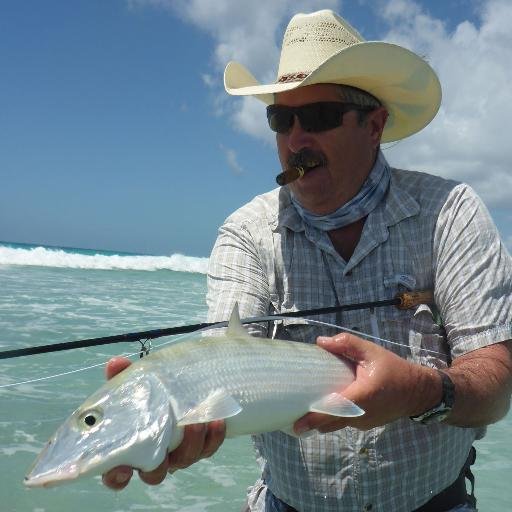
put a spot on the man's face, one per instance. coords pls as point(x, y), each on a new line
point(348, 151)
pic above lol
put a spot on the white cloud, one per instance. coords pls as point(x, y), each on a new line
point(246, 31)
point(243, 30)
point(232, 160)
point(469, 140)
point(208, 80)
point(249, 116)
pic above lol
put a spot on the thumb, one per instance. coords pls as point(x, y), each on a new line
point(349, 346)
point(116, 365)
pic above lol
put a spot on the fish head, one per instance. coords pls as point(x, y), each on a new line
point(128, 421)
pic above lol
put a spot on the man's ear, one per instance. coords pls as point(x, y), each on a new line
point(376, 121)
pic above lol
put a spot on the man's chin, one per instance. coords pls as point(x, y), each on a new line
point(313, 190)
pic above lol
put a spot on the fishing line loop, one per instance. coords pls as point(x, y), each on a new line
point(145, 349)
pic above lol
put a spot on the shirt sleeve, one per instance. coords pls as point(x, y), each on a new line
point(236, 275)
point(473, 274)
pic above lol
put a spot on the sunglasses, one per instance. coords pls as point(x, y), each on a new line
point(313, 117)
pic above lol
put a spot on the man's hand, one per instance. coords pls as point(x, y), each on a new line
point(386, 386)
point(199, 442)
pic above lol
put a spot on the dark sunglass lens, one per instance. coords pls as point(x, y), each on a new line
point(314, 117)
point(280, 119)
point(319, 117)
point(308, 117)
point(331, 116)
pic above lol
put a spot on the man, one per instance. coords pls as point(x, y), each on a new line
point(351, 229)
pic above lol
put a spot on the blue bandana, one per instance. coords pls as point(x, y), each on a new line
point(364, 202)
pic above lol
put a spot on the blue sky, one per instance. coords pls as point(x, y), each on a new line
point(115, 131)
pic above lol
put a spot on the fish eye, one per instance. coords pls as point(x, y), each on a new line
point(90, 418)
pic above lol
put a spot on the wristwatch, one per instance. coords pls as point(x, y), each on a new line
point(441, 411)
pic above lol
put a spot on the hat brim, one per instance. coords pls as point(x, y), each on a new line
point(405, 83)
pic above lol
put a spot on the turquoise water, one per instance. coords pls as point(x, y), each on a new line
point(46, 304)
point(52, 295)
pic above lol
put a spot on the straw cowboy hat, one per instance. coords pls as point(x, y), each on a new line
point(322, 47)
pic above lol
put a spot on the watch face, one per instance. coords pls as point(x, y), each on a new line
point(437, 416)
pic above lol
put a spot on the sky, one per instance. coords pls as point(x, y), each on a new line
point(116, 132)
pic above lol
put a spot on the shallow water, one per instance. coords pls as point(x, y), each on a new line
point(46, 304)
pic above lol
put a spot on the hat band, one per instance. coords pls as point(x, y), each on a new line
point(292, 77)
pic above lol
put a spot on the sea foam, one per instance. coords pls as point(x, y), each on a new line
point(46, 257)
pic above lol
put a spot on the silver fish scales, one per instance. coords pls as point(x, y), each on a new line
point(254, 384)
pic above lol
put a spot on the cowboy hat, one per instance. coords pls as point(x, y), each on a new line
point(322, 47)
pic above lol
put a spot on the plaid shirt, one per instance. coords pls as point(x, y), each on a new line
point(428, 233)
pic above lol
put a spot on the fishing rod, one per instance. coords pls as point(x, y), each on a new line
point(406, 300)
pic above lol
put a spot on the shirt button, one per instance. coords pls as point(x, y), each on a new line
point(368, 507)
point(363, 452)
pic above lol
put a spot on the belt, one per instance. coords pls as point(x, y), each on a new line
point(452, 496)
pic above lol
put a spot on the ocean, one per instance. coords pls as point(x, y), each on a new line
point(51, 295)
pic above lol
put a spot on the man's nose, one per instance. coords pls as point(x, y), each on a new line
point(298, 138)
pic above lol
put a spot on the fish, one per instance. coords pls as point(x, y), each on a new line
point(254, 384)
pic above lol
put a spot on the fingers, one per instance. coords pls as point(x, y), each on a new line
point(118, 478)
point(190, 449)
point(320, 422)
point(157, 476)
point(349, 346)
point(199, 442)
point(116, 365)
point(214, 438)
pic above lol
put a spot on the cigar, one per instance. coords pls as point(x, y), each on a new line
point(290, 175)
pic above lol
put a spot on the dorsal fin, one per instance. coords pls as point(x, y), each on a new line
point(235, 327)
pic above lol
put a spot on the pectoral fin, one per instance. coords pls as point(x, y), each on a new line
point(336, 405)
point(218, 405)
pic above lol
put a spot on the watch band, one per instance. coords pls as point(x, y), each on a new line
point(442, 410)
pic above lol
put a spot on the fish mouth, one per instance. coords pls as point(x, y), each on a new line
point(51, 478)
point(44, 473)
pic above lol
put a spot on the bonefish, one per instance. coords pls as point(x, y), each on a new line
point(255, 384)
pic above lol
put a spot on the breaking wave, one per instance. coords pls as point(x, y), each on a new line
point(47, 257)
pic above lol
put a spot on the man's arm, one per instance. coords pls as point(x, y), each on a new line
point(483, 385)
point(388, 387)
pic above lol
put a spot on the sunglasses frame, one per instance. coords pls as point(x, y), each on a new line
point(305, 112)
